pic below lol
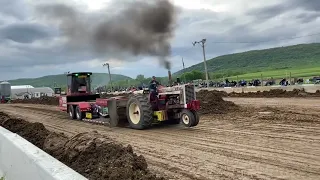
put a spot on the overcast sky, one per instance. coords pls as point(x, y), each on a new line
point(30, 47)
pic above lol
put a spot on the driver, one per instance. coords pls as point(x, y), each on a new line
point(153, 87)
point(153, 84)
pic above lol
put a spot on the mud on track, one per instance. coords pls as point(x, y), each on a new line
point(256, 143)
point(91, 154)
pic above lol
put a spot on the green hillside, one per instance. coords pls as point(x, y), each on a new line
point(280, 58)
point(61, 80)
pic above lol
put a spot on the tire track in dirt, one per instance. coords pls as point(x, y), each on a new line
point(278, 102)
point(202, 139)
point(294, 136)
point(206, 152)
point(142, 152)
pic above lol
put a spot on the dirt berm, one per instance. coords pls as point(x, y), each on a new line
point(212, 102)
point(202, 95)
point(275, 93)
point(93, 155)
point(46, 100)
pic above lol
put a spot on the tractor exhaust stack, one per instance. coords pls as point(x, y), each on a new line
point(170, 78)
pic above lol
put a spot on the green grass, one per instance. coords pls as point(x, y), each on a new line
point(277, 74)
point(2, 178)
point(271, 62)
point(60, 80)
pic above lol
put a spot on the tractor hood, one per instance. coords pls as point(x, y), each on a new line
point(171, 90)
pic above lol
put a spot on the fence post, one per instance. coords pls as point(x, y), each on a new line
point(261, 80)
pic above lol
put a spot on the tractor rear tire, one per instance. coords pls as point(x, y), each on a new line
point(139, 112)
point(187, 118)
point(71, 112)
point(79, 115)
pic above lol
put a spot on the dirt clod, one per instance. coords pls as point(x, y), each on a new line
point(33, 132)
point(91, 154)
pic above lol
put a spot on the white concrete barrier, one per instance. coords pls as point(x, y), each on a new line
point(19, 159)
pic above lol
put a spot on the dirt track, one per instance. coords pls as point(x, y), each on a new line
point(256, 143)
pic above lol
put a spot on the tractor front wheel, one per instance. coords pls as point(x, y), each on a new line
point(197, 118)
point(139, 112)
point(188, 118)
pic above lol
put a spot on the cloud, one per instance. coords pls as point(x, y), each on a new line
point(310, 5)
point(16, 9)
point(31, 46)
point(309, 10)
point(25, 32)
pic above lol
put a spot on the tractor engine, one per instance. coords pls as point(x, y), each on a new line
point(173, 99)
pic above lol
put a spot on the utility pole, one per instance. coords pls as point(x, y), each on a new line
point(202, 43)
point(184, 75)
point(110, 81)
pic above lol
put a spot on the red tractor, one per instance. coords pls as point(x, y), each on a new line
point(175, 104)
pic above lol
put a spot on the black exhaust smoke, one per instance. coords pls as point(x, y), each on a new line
point(138, 28)
point(170, 77)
